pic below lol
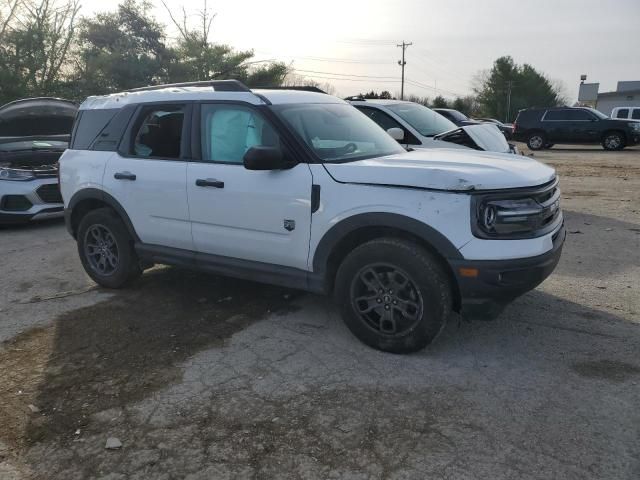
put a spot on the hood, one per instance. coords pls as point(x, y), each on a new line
point(482, 136)
point(37, 118)
point(445, 169)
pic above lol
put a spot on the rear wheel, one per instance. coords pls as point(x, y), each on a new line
point(613, 141)
point(536, 141)
point(394, 295)
point(106, 249)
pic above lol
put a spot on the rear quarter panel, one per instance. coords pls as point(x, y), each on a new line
point(81, 169)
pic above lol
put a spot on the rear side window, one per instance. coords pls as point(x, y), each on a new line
point(89, 125)
point(622, 113)
point(557, 115)
point(158, 132)
point(579, 115)
point(636, 114)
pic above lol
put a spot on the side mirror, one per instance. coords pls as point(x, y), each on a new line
point(396, 133)
point(264, 158)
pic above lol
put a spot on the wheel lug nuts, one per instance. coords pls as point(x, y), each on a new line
point(379, 300)
point(395, 302)
point(386, 307)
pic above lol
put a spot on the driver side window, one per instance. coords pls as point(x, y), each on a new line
point(228, 131)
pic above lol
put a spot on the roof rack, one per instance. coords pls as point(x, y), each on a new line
point(355, 98)
point(217, 85)
point(301, 88)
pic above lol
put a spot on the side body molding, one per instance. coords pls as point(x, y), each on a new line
point(99, 195)
point(380, 220)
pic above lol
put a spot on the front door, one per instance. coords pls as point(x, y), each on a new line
point(261, 216)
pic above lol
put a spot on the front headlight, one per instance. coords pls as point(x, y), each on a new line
point(15, 174)
point(513, 215)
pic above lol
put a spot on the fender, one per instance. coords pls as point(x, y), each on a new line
point(104, 197)
point(381, 219)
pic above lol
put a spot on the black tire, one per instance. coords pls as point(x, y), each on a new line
point(401, 321)
point(536, 141)
point(101, 231)
point(613, 141)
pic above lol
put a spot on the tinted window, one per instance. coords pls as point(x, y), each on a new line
point(622, 113)
point(381, 118)
point(90, 124)
point(636, 114)
point(579, 115)
point(557, 115)
point(228, 131)
point(424, 120)
point(386, 122)
point(159, 133)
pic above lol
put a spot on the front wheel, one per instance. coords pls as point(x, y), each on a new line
point(106, 249)
point(394, 295)
point(613, 141)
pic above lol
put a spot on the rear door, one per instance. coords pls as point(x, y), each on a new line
point(148, 174)
point(260, 216)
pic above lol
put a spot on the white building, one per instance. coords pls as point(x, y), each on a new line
point(627, 94)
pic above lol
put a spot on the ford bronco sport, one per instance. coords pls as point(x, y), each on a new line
point(302, 190)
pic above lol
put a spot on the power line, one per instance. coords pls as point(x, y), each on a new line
point(351, 79)
point(344, 74)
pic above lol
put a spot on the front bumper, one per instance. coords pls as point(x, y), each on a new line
point(487, 286)
point(25, 201)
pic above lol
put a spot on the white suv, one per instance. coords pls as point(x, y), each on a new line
point(302, 190)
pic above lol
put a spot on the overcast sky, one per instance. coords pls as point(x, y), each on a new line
point(352, 41)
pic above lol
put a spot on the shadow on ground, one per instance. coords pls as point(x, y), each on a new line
point(121, 350)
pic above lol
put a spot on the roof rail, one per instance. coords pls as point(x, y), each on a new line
point(355, 98)
point(217, 85)
point(301, 88)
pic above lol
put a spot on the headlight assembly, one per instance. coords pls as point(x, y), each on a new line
point(16, 175)
point(516, 214)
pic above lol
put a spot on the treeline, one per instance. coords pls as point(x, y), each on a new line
point(48, 49)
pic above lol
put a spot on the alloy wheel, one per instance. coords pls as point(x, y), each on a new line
point(386, 299)
point(101, 250)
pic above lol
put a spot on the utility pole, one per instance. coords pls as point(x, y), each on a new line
point(402, 63)
point(509, 86)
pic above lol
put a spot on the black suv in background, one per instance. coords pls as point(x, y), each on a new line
point(543, 127)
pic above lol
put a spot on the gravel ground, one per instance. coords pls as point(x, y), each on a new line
point(201, 377)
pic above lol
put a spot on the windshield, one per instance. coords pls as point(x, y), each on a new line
point(424, 120)
point(338, 132)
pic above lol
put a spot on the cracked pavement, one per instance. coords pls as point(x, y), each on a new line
point(204, 377)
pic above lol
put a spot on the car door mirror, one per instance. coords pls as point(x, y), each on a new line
point(396, 133)
point(264, 158)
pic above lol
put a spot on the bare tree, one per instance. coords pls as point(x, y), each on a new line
point(8, 12)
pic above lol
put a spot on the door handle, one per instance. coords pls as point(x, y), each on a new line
point(124, 176)
point(209, 182)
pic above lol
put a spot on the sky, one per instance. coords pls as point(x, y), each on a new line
point(353, 44)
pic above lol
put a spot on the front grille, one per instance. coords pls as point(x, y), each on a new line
point(15, 203)
point(50, 193)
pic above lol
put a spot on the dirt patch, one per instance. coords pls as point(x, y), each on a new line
point(122, 349)
point(607, 370)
